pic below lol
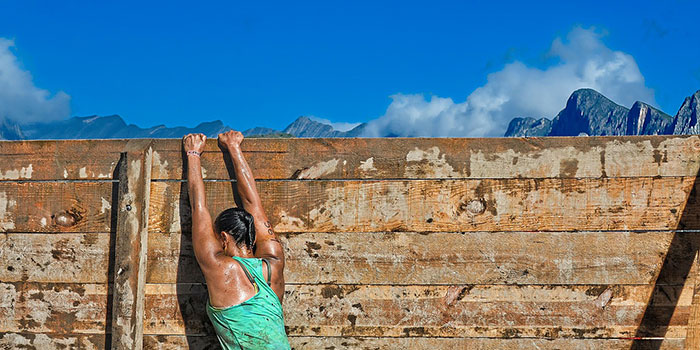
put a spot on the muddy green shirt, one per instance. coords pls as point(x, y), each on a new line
point(257, 323)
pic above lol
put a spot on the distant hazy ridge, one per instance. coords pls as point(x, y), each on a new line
point(587, 112)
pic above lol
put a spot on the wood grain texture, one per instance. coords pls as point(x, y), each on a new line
point(175, 342)
point(553, 243)
point(11, 341)
point(131, 245)
point(54, 257)
point(38, 206)
point(435, 258)
point(360, 158)
point(692, 340)
point(59, 160)
point(447, 258)
point(308, 343)
point(404, 258)
point(590, 311)
point(57, 308)
point(394, 311)
point(445, 205)
point(418, 158)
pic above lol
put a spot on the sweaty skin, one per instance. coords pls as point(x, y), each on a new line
point(226, 280)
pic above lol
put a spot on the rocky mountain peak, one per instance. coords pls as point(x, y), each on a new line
point(686, 120)
point(643, 119)
point(588, 111)
point(529, 127)
point(305, 127)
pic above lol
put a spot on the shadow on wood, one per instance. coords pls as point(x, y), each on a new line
point(674, 272)
point(231, 175)
point(111, 256)
point(193, 311)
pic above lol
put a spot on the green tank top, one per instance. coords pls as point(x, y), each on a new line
point(257, 323)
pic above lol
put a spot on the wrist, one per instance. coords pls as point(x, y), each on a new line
point(193, 154)
point(234, 147)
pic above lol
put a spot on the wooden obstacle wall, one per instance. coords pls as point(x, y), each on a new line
point(548, 243)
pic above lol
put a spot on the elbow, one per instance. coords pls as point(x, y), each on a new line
point(278, 256)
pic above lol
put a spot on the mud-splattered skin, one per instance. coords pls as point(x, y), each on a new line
point(535, 243)
point(241, 303)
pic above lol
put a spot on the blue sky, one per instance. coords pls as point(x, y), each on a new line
point(266, 63)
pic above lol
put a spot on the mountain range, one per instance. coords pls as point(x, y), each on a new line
point(587, 112)
point(114, 127)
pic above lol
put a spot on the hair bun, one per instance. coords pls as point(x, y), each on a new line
point(237, 223)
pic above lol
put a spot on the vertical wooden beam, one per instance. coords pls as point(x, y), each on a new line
point(131, 245)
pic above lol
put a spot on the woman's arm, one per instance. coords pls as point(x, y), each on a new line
point(266, 243)
point(204, 241)
point(245, 184)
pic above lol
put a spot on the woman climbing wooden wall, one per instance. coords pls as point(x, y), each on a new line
point(392, 243)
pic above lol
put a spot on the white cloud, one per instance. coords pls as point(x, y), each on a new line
point(583, 61)
point(20, 100)
point(339, 126)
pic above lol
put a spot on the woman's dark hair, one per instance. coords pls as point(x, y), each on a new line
point(239, 224)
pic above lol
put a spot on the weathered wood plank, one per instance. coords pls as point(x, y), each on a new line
point(446, 205)
point(447, 158)
point(64, 257)
point(131, 245)
point(404, 258)
point(396, 311)
point(337, 212)
point(60, 308)
point(433, 205)
point(24, 340)
point(360, 158)
point(356, 343)
point(176, 342)
point(591, 311)
point(59, 160)
point(55, 206)
point(692, 340)
point(448, 258)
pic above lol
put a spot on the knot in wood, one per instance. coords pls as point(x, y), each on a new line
point(64, 219)
point(604, 298)
point(476, 206)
